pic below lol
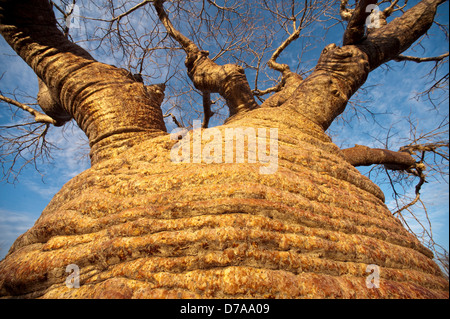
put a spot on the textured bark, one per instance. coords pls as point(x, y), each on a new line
point(341, 71)
point(386, 43)
point(324, 94)
point(96, 95)
point(290, 82)
point(141, 226)
point(355, 31)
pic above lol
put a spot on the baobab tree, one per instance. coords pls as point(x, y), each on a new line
point(142, 223)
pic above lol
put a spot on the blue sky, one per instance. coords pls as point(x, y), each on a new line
point(390, 92)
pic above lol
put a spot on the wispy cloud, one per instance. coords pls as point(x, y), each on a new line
point(12, 225)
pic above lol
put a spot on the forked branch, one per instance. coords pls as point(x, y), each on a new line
point(292, 37)
point(228, 80)
point(355, 31)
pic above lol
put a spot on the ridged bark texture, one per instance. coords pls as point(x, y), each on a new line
point(108, 104)
point(141, 226)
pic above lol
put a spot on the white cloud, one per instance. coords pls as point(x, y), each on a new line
point(12, 225)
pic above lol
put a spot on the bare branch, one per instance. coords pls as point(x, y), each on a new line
point(174, 119)
point(228, 80)
point(23, 146)
point(365, 156)
point(427, 147)
point(275, 88)
point(38, 116)
point(346, 14)
point(420, 173)
point(419, 60)
point(393, 8)
point(188, 46)
point(213, 3)
point(284, 67)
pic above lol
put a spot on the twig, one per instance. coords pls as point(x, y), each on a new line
point(120, 16)
point(206, 109)
point(174, 119)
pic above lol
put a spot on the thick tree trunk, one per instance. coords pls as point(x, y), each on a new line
point(139, 225)
point(98, 96)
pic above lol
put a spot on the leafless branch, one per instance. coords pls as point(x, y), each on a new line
point(419, 171)
point(174, 119)
point(120, 16)
point(293, 36)
point(38, 116)
point(344, 11)
point(419, 60)
point(188, 46)
point(23, 145)
point(365, 156)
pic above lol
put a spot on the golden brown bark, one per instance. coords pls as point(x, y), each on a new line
point(96, 95)
point(139, 225)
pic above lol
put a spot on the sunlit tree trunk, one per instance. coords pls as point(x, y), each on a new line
point(139, 225)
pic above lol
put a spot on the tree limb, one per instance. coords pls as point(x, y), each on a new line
point(38, 116)
point(292, 37)
point(290, 80)
point(419, 60)
point(356, 26)
point(420, 173)
point(228, 80)
point(426, 147)
point(341, 71)
point(346, 13)
point(365, 156)
point(120, 16)
point(289, 83)
point(98, 96)
point(206, 109)
point(389, 41)
point(174, 119)
point(188, 46)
